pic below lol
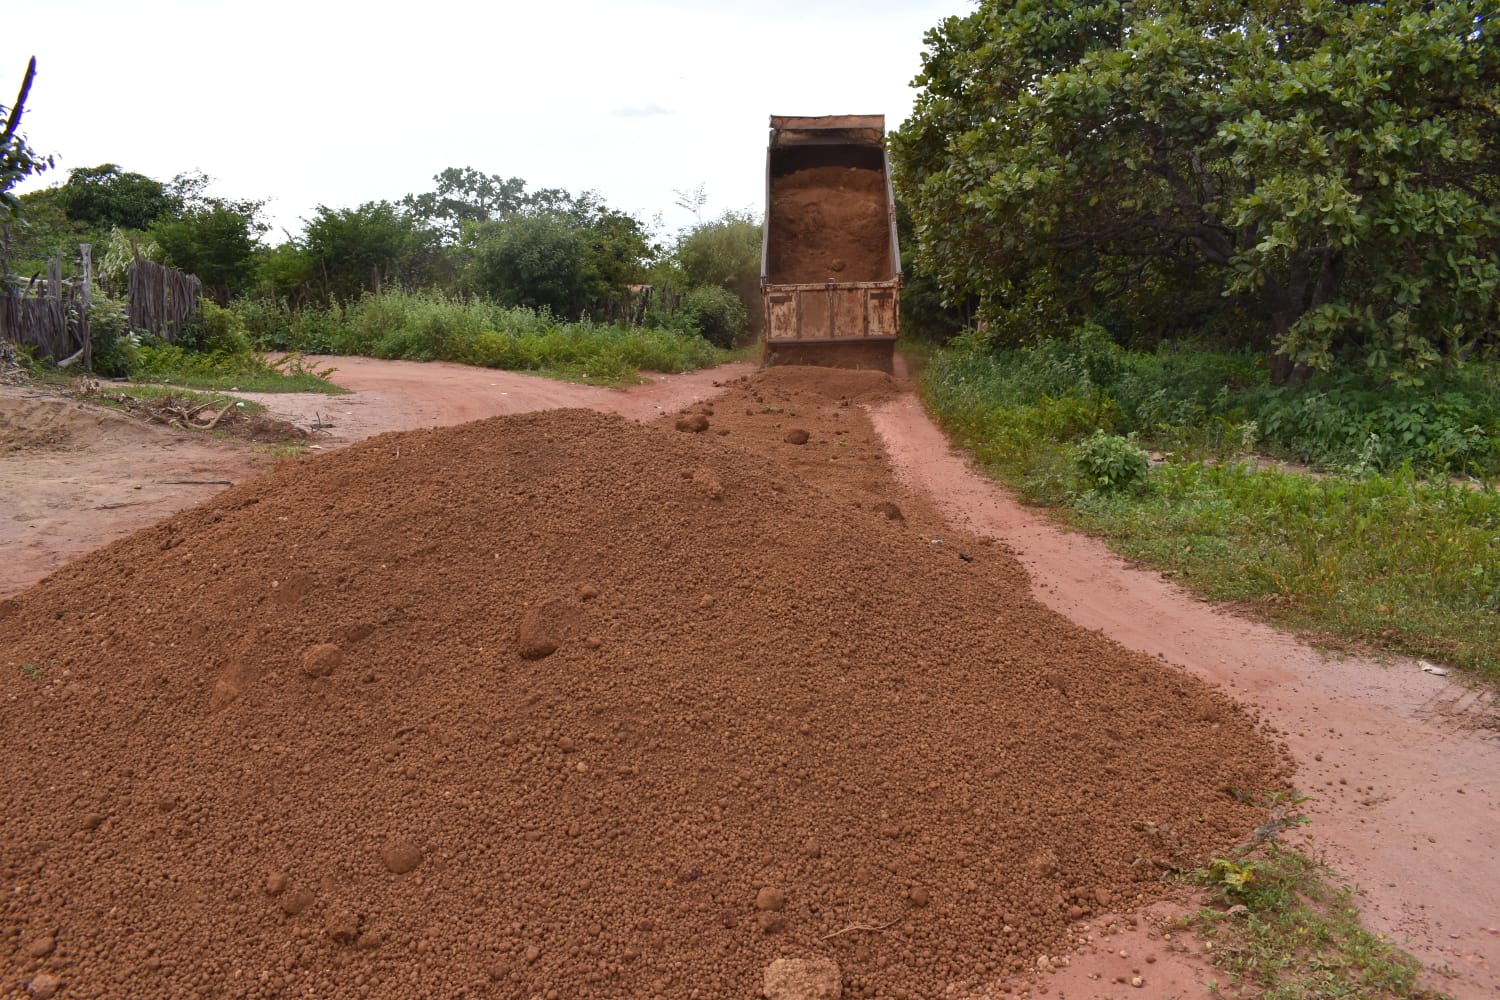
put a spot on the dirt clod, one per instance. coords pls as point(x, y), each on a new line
point(322, 659)
point(41, 946)
point(44, 986)
point(770, 898)
point(297, 902)
point(693, 423)
point(796, 436)
point(802, 979)
point(401, 857)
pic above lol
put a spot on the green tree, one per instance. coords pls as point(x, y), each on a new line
point(217, 242)
point(464, 196)
point(1324, 170)
point(354, 250)
point(723, 252)
point(573, 256)
point(105, 197)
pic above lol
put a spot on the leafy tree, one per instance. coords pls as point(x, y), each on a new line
point(465, 196)
point(40, 231)
point(571, 257)
point(106, 196)
point(217, 242)
point(1324, 170)
point(723, 252)
point(18, 161)
point(354, 250)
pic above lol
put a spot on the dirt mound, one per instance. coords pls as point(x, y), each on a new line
point(29, 422)
point(559, 702)
point(829, 224)
point(849, 386)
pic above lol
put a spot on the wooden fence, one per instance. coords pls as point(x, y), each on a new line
point(161, 298)
point(50, 316)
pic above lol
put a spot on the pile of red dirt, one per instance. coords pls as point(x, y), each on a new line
point(561, 705)
point(829, 224)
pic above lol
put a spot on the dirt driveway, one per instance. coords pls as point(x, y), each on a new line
point(1401, 765)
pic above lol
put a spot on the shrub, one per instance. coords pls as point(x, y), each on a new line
point(716, 314)
point(112, 344)
point(1110, 462)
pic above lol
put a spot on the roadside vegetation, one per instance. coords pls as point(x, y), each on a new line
point(1389, 539)
point(1222, 308)
point(482, 269)
point(1283, 927)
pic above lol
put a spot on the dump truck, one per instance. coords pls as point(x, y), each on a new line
point(830, 273)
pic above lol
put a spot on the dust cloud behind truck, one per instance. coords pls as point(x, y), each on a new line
point(830, 272)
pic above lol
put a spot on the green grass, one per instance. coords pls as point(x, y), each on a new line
point(242, 371)
point(1283, 928)
point(429, 326)
point(1382, 560)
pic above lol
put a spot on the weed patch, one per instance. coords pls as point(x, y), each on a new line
point(1391, 559)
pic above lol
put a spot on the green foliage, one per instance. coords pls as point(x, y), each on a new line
point(425, 326)
point(569, 261)
point(18, 160)
point(114, 349)
point(1381, 557)
point(465, 196)
point(717, 314)
point(1283, 930)
point(41, 231)
point(351, 251)
point(723, 252)
point(216, 242)
point(1111, 462)
point(106, 197)
point(1315, 180)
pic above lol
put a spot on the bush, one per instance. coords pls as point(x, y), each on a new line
point(1110, 462)
point(716, 314)
point(112, 345)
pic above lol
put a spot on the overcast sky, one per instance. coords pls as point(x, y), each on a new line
point(308, 103)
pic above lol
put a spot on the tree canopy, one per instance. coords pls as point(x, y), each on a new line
point(1315, 179)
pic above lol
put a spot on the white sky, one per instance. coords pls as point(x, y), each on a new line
point(321, 103)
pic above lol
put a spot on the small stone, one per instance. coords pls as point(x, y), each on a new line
point(574, 828)
point(567, 744)
point(44, 986)
point(1137, 982)
point(802, 979)
point(276, 883)
point(796, 436)
point(540, 632)
point(1102, 897)
point(770, 898)
point(587, 592)
point(693, 423)
point(322, 659)
point(532, 953)
point(41, 947)
point(297, 902)
point(401, 856)
point(919, 896)
point(92, 821)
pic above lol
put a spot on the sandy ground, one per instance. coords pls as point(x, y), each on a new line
point(1401, 764)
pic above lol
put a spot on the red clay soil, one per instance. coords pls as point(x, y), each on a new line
point(829, 224)
point(562, 705)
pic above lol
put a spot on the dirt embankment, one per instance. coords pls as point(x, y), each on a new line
point(829, 224)
point(560, 702)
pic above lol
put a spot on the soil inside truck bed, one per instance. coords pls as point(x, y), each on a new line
point(829, 224)
point(565, 703)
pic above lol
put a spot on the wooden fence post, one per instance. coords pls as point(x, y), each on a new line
point(83, 317)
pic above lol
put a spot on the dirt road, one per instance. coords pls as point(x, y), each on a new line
point(1401, 764)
